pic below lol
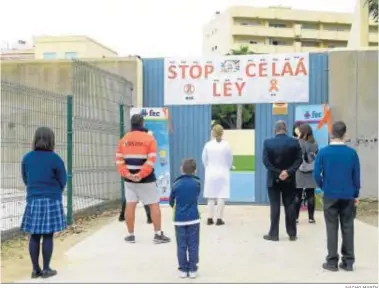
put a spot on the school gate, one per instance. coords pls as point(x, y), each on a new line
point(191, 125)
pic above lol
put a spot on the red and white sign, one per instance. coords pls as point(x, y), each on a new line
point(237, 80)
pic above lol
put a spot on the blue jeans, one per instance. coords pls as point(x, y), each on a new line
point(187, 239)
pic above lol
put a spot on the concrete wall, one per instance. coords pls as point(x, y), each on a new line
point(242, 142)
point(353, 97)
point(56, 75)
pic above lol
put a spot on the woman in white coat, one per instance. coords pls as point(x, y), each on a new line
point(217, 159)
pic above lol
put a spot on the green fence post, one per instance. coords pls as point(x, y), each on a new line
point(69, 160)
point(122, 131)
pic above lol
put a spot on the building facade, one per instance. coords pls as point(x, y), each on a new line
point(59, 47)
point(279, 30)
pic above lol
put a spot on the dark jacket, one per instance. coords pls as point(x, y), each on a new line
point(281, 153)
point(184, 197)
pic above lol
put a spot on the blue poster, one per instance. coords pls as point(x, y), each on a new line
point(313, 114)
point(156, 121)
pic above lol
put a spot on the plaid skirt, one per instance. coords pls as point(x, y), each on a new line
point(43, 216)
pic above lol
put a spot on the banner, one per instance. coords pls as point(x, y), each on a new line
point(237, 79)
point(156, 121)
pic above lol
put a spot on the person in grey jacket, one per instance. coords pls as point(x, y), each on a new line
point(305, 184)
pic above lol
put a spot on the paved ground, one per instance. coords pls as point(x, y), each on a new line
point(235, 252)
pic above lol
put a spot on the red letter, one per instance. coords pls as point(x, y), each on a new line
point(248, 70)
point(208, 70)
point(215, 93)
point(240, 87)
point(171, 72)
point(300, 68)
point(287, 69)
point(274, 72)
point(262, 69)
point(193, 73)
point(227, 89)
point(183, 67)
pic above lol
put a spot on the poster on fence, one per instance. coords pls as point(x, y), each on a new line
point(269, 78)
point(156, 121)
point(313, 115)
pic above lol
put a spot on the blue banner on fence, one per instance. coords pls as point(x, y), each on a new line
point(156, 121)
point(313, 114)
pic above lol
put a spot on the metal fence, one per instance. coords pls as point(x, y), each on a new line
point(87, 125)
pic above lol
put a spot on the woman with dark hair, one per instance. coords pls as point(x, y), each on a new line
point(295, 131)
point(305, 183)
point(44, 175)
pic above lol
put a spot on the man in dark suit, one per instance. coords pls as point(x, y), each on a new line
point(282, 156)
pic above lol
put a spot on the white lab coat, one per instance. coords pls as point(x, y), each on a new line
point(217, 159)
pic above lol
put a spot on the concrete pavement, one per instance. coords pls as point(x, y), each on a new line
point(234, 253)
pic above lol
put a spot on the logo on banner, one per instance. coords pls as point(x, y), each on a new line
point(312, 115)
point(150, 113)
point(230, 66)
point(189, 89)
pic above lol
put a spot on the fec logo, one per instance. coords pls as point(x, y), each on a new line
point(308, 115)
point(144, 113)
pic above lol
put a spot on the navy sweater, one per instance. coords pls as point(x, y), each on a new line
point(184, 198)
point(337, 172)
point(44, 175)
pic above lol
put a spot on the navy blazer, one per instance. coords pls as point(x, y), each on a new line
point(281, 153)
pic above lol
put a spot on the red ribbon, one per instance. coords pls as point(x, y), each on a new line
point(167, 115)
point(326, 119)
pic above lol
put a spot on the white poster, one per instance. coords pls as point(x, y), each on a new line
point(237, 79)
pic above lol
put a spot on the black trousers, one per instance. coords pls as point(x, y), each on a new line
point(287, 193)
point(123, 206)
point(309, 197)
point(339, 211)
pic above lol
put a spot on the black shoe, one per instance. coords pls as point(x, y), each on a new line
point(330, 267)
point(121, 218)
point(312, 221)
point(270, 238)
point(161, 238)
point(220, 222)
point(149, 221)
point(293, 238)
point(36, 274)
point(297, 221)
point(210, 221)
point(346, 267)
point(130, 239)
point(48, 273)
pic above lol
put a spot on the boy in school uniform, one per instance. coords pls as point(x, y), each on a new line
point(184, 199)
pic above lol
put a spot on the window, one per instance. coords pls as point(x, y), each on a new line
point(70, 55)
point(49, 55)
point(310, 26)
point(277, 25)
point(277, 42)
point(253, 42)
point(309, 44)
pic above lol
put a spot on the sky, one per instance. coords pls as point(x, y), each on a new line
point(149, 28)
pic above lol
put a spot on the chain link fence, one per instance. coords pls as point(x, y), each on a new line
point(87, 125)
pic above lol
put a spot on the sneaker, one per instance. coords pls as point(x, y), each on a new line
point(161, 238)
point(210, 221)
point(182, 274)
point(149, 221)
point(130, 239)
point(49, 273)
point(312, 221)
point(121, 218)
point(192, 275)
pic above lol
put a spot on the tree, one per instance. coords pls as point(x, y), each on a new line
point(373, 9)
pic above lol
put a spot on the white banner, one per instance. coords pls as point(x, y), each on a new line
point(237, 79)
